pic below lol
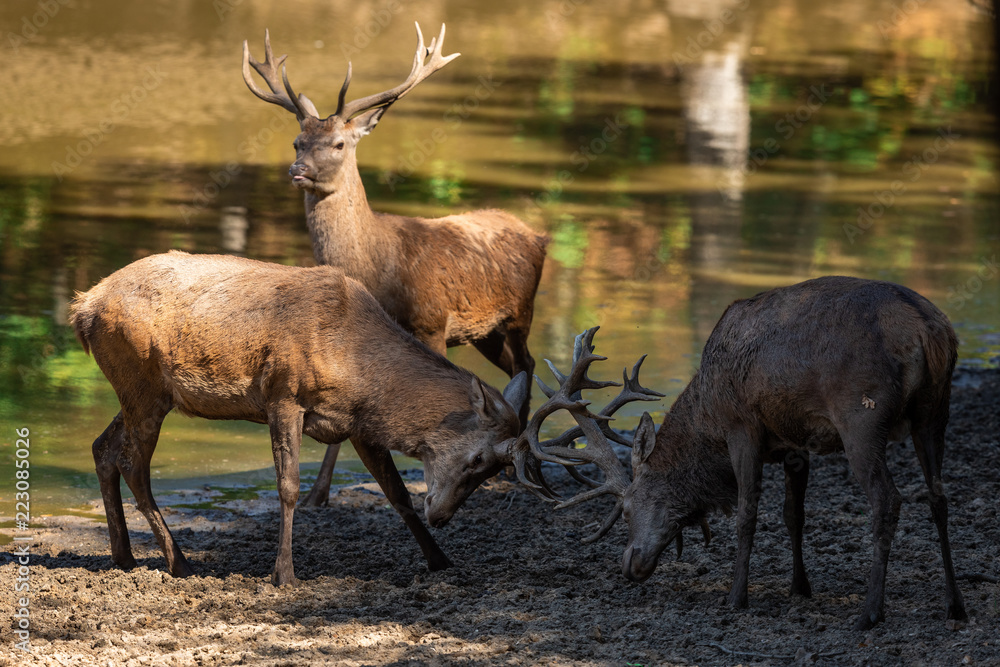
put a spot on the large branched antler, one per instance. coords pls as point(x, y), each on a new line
point(281, 91)
point(595, 427)
point(422, 68)
point(426, 61)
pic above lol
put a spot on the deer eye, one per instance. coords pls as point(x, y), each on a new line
point(340, 146)
point(476, 462)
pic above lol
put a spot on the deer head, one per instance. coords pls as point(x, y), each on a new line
point(475, 450)
point(325, 146)
point(527, 451)
point(658, 506)
point(649, 532)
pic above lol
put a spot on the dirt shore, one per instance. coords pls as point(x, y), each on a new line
point(525, 591)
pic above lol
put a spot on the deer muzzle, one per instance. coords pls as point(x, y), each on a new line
point(436, 515)
point(301, 174)
point(638, 566)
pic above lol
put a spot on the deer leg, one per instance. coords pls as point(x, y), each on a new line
point(928, 441)
point(796, 478)
point(285, 421)
point(748, 464)
point(319, 495)
point(866, 455)
point(379, 463)
point(106, 448)
point(133, 462)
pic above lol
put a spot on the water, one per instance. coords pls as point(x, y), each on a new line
point(680, 159)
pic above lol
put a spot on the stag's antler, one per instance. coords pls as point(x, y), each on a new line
point(594, 426)
point(300, 105)
point(420, 71)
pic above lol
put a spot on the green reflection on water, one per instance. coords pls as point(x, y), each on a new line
point(647, 240)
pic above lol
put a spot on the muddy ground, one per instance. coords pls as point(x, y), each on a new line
point(525, 591)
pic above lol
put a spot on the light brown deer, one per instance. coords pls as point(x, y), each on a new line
point(304, 350)
point(463, 279)
point(831, 364)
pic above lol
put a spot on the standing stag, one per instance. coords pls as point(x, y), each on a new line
point(463, 279)
point(304, 350)
point(831, 364)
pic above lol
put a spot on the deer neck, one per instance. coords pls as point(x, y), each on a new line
point(407, 420)
point(345, 232)
point(692, 450)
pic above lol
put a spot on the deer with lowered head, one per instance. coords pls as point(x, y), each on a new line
point(462, 279)
point(831, 364)
point(303, 350)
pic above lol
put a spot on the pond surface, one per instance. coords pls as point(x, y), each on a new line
point(680, 158)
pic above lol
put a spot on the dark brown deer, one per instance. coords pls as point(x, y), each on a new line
point(463, 279)
point(304, 350)
point(831, 364)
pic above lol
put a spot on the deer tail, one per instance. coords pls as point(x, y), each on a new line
point(940, 347)
point(81, 318)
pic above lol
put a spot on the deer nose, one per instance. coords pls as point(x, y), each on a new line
point(437, 517)
point(298, 169)
point(633, 567)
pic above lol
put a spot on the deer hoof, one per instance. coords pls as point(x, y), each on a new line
point(867, 622)
point(181, 570)
point(439, 563)
point(126, 563)
point(802, 588)
point(284, 580)
point(316, 500)
point(738, 600)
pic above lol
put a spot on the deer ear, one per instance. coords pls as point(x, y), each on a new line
point(364, 123)
point(477, 397)
point(644, 440)
point(516, 391)
point(488, 410)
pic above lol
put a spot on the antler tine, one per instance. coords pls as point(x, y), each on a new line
point(302, 103)
point(631, 390)
point(599, 452)
point(343, 90)
point(530, 474)
point(583, 357)
point(422, 68)
point(529, 436)
point(281, 91)
point(608, 522)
